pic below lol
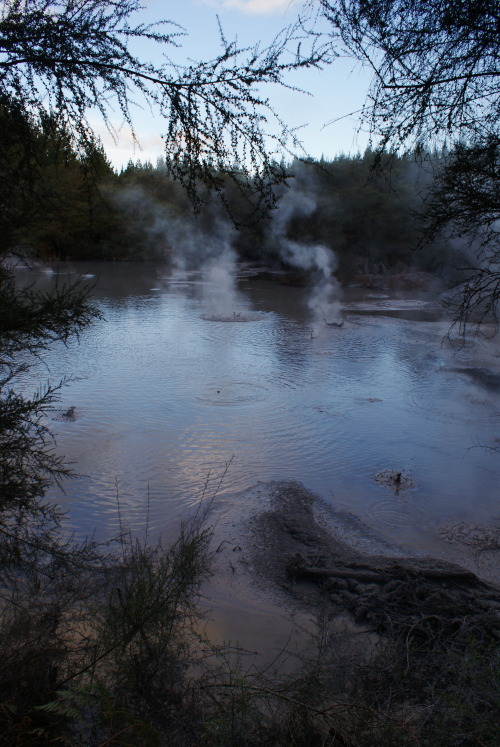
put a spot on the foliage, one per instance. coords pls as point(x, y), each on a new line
point(68, 58)
point(49, 195)
point(365, 218)
point(114, 654)
point(39, 564)
point(463, 207)
point(447, 685)
point(97, 646)
point(139, 214)
point(436, 81)
point(29, 322)
point(436, 66)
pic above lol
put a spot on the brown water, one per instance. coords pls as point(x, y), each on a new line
point(165, 399)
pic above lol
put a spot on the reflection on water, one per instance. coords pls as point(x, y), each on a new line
point(165, 399)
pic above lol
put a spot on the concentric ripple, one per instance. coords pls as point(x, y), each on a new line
point(232, 393)
point(397, 512)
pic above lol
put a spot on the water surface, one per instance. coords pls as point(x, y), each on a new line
point(165, 399)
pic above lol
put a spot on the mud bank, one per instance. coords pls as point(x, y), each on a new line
point(286, 551)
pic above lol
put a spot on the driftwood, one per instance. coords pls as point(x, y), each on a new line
point(421, 599)
point(416, 636)
point(367, 576)
point(383, 575)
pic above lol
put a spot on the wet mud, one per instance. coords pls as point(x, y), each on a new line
point(240, 316)
point(393, 479)
point(307, 558)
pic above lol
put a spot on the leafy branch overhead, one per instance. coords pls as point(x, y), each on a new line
point(436, 82)
point(74, 57)
point(436, 66)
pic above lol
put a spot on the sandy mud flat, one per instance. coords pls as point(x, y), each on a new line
point(283, 557)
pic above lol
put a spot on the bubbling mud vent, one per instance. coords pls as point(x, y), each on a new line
point(69, 415)
point(232, 393)
point(393, 479)
point(240, 316)
point(395, 511)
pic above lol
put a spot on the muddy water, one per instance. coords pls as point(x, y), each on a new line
point(165, 399)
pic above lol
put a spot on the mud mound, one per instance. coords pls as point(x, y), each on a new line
point(234, 317)
point(393, 479)
point(70, 414)
point(479, 537)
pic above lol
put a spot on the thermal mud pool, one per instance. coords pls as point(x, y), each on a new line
point(348, 456)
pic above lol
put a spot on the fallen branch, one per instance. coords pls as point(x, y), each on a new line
point(384, 575)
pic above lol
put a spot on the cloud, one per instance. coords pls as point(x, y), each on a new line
point(253, 7)
point(150, 145)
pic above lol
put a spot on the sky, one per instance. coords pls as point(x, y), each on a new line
point(335, 92)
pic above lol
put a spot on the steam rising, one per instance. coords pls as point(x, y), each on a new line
point(207, 246)
point(211, 251)
point(299, 202)
point(220, 294)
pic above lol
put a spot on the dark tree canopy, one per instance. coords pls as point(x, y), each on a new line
point(463, 205)
point(436, 66)
point(436, 82)
point(69, 57)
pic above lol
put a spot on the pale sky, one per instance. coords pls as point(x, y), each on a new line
point(335, 92)
point(252, 7)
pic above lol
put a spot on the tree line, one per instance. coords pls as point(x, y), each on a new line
point(76, 207)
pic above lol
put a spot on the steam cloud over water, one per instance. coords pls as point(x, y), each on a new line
point(209, 249)
point(220, 293)
point(218, 266)
point(218, 261)
point(324, 298)
point(222, 300)
point(219, 272)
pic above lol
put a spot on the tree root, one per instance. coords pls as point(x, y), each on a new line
point(427, 600)
point(383, 576)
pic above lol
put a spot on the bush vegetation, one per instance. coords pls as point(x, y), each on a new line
point(106, 647)
point(77, 207)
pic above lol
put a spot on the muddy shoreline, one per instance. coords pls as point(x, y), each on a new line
point(281, 548)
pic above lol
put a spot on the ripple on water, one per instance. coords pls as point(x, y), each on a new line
point(240, 316)
point(166, 398)
point(398, 512)
point(448, 399)
point(232, 393)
